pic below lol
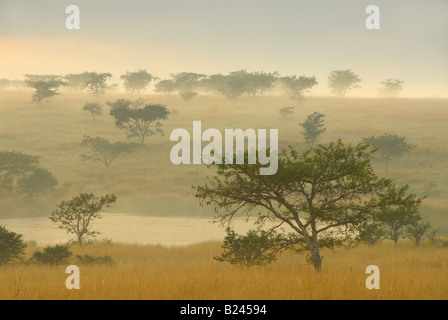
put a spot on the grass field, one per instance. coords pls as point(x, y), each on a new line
point(147, 183)
point(190, 273)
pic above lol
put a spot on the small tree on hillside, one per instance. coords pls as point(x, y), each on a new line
point(137, 122)
point(313, 127)
point(103, 151)
point(96, 83)
point(76, 215)
point(12, 246)
point(46, 86)
point(298, 86)
point(391, 87)
point(95, 109)
point(389, 146)
point(341, 81)
point(137, 81)
point(165, 86)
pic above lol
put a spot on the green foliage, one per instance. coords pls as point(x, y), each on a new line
point(313, 127)
point(95, 109)
point(371, 233)
point(76, 215)
point(389, 146)
point(298, 86)
point(137, 81)
point(417, 231)
point(258, 247)
point(340, 81)
point(135, 120)
point(21, 174)
point(323, 195)
point(101, 150)
point(56, 255)
point(12, 246)
point(397, 219)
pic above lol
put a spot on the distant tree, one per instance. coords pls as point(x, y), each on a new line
point(397, 219)
point(236, 85)
point(21, 173)
point(103, 151)
point(39, 182)
point(256, 82)
point(389, 146)
point(340, 81)
point(95, 109)
point(298, 86)
point(286, 111)
point(391, 87)
point(258, 247)
point(166, 86)
point(322, 195)
point(137, 81)
point(417, 231)
point(46, 86)
point(96, 83)
point(187, 83)
point(12, 246)
point(77, 81)
point(371, 232)
point(137, 122)
point(215, 83)
point(313, 127)
point(76, 215)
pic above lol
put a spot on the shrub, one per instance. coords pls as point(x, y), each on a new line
point(11, 246)
point(56, 255)
point(255, 248)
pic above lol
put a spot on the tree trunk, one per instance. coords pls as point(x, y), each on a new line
point(316, 258)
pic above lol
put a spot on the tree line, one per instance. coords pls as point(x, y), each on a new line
point(189, 84)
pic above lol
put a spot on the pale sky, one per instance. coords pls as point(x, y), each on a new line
point(311, 37)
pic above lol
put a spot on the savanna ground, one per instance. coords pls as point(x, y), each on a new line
point(146, 183)
point(191, 273)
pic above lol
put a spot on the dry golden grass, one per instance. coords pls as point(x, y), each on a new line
point(161, 273)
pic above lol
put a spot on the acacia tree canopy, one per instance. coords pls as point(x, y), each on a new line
point(341, 81)
point(323, 195)
point(137, 121)
point(137, 81)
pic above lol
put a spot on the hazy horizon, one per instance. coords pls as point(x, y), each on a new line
point(291, 37)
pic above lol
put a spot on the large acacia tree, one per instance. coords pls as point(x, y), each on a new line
point(323, 196)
